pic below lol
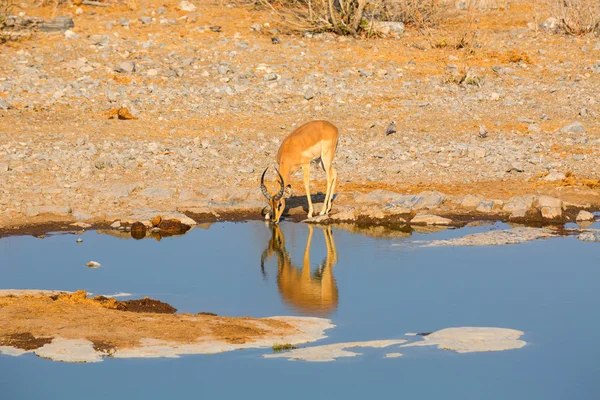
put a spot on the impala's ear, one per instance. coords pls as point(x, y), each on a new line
point(288, 192)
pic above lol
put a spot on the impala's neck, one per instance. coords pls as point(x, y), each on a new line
point(285, 172)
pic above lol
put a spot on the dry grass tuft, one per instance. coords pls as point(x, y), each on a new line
point(576, 17)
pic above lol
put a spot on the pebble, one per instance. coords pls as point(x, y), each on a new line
point(573, 127)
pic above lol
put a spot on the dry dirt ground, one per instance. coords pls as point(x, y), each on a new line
point(212, 107)
point(29, 321)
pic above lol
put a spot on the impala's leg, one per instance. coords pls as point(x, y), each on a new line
point(306, 173)
point(332, 189)
point(326, 160)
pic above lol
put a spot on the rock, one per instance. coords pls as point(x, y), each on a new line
point(82, 215)
point(124, 21)
point(550, 25)
point(592, 235)
point(173, 227)
point(584, 215)
point(4, 105)
point(93, 264)
point(99, 40)
point(126, 67)
point(270, 77)
point(427, 199)
point(4, 167)
point(56, 210)
point(550, 207)
point(58, 24)
point(32, 212)
point(519, 204)
point(69, 34)
point(122, 190)
point(476, 152)
point(186, 6)
point(158, 192)
point(146, 20)
point(388, 28)
point(551, 212)
point(346, 215)
point(365, 73)
point(471, 201)
point(495, 238)
point(116, 224)
point(488, 206)
point(554, 176)
point(548, 201)
point(573, 127)
point(103, 162)
point(429, 219)
point(223, 69)
point(309, 95)
point(256, 27)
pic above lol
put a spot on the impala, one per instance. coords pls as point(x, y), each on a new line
point(310, 293)
point(311, 141)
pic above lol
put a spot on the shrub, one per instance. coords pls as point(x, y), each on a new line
point(576, 17)
point(351, 16)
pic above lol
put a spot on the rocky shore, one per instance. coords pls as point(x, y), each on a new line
point(518, 141)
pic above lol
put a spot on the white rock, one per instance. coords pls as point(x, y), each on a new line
point(555, 176)
point(69, 34)
point(584, 215)
point(330, 352)
point(187, 6)
point(573, 127)
point(549, 201)
point(473, 339)
point(93, 264)
point(495, 238)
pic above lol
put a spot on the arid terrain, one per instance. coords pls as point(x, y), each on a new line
point(212, 105)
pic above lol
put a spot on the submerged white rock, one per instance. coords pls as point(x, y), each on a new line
point(330, 352)
point(473, 339)
point(69, 350)
point(82, 350)
point(495, 238)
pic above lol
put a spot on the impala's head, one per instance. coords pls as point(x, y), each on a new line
point(276, 201)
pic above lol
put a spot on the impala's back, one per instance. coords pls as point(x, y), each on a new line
point(306, 143)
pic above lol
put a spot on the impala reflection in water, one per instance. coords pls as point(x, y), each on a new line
point(309, 293)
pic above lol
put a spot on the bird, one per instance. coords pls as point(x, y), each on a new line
point(391, 129)
point(482, 132)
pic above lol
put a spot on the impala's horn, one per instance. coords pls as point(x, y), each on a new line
point(263, 188)
point(278, 195)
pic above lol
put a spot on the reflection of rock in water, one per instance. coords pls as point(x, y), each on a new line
point(165, 228)
point(428, 228)
point(138, 230)
point(310, 293)
point(376, 231)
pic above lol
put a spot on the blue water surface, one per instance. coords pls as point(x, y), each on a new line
point(387, 287)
